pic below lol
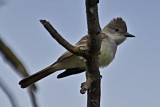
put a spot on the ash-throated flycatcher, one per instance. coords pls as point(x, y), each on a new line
point(113, 34)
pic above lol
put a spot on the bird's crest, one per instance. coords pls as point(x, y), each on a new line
point(118, 22)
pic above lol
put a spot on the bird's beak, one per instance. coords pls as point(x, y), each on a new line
point(129, 35)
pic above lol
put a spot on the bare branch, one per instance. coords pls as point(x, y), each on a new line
point(92, 83)
point(75, 50)
point(17, 64)
point(8, 92)
point(32, 97)
point(14, 61)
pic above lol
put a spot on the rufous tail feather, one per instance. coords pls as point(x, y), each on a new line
point(36, 77)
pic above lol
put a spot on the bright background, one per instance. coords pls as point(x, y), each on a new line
point(131, 80)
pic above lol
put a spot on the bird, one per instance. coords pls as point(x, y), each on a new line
point(113, 34)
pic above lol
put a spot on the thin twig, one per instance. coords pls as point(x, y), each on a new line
point(9, 94)
point(75, 50)
point(17, 64)
point(32, 97)
point(14, 61)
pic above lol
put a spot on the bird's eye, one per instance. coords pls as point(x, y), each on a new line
point(116, 29)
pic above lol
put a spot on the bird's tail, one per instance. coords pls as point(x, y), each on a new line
point(36, 77)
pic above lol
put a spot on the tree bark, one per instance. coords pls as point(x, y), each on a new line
point(94, 31)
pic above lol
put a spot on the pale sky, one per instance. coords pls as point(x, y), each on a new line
point(131, 80)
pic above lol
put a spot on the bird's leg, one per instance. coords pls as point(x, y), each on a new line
point(86, 85)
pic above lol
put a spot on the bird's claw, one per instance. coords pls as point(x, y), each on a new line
point(84, 87)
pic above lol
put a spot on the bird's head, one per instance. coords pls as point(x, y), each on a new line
point(117, 30)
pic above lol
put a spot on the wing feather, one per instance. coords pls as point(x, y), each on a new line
point(81, 43)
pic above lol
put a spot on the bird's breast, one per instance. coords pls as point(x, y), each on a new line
point(108, 50)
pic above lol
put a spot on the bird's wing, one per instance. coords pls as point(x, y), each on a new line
point(70, 71)
point(82, 43)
